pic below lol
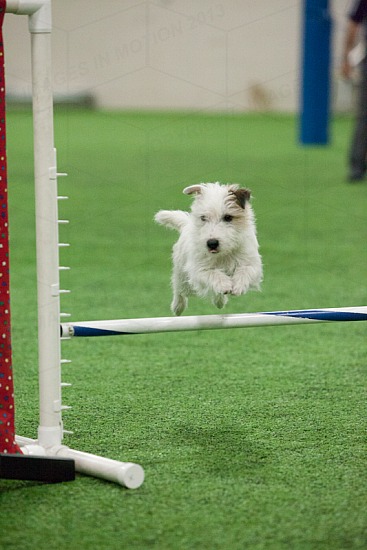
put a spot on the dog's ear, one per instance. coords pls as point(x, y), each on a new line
point(242, 196)
point(197, 189)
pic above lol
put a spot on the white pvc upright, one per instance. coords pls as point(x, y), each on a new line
point(47, 238)
point(50, 430)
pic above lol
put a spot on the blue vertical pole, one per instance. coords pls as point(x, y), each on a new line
point(315, 81)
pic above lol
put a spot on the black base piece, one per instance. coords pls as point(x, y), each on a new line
point(36, 468)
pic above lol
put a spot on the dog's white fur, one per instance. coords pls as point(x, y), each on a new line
point(217, 253)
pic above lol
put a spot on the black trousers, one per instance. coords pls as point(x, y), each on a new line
point(358, 148)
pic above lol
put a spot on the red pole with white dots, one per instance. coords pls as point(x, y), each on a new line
point(7, 429)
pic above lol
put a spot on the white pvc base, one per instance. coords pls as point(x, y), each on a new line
point(128, 474)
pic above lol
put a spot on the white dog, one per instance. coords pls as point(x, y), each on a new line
point(217, 251)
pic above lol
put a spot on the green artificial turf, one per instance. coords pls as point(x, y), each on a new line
point(250, 439)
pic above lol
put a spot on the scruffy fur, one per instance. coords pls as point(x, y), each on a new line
point(217, 252)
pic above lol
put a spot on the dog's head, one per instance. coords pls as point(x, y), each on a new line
point(220, 213)
point(235, 193)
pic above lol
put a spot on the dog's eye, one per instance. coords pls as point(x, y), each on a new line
point(203, 218)
point(227, 218)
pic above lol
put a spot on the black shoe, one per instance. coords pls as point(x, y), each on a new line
point(355, 177)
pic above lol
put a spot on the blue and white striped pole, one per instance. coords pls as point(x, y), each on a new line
point(210, 322)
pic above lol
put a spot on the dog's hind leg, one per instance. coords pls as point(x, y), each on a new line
point(180, 292)
point(220, 300)
point(179, 304)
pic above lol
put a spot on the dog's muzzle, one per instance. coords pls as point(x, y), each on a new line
point(213, 245)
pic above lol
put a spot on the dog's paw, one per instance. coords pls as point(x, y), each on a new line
point(222, 284)
point(178, 305)
point(220, 300)
point(238, 288)
point(240, 283)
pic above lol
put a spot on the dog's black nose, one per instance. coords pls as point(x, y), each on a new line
point(212, 244)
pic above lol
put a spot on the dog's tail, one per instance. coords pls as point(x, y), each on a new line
point(174, 219)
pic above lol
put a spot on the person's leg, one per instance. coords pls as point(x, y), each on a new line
point(358, 149)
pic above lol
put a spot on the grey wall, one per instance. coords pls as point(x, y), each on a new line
point(174, 54)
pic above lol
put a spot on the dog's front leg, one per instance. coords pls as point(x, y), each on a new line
point(243, 278)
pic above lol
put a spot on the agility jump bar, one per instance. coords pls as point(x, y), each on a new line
point(210, 322)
